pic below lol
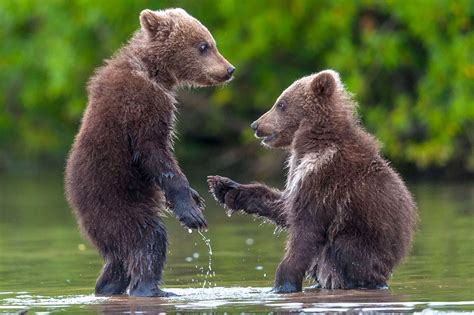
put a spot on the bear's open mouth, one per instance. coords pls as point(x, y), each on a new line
point(266, 139)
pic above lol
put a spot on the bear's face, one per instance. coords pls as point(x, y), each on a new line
point(184, 47)
point(308, 99)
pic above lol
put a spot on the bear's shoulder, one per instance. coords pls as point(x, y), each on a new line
point(124, 84)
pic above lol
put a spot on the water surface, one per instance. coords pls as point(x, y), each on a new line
point(46, 266)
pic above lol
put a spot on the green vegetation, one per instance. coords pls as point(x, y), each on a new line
point(409, 63)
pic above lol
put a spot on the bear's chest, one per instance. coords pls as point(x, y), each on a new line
point(309, 192)
point(304, 171)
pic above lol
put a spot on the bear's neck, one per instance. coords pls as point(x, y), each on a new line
point(159, 74)
point(134, 57)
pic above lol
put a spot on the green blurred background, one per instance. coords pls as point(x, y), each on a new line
point(409, 63)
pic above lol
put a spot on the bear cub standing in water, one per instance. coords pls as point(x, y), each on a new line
point(121, 172)
point(349, 216)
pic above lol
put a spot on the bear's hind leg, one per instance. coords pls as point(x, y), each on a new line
point(350, 264)
point(113, 279)
point(313, 275)
point(146, 261)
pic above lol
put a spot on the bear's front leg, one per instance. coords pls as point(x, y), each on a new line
point(197, 199)
point(288, 277)
point(154, 158)
point(255, 199)
point(185, 202)
point(300, 252)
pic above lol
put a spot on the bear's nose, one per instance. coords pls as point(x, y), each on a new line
point(230, 71)
point(254, 126)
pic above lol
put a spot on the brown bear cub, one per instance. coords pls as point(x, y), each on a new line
point(349, 216)
point(121, 173)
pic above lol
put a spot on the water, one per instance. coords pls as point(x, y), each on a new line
point(209, 272)
point(45, 265)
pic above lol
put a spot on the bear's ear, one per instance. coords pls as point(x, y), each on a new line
point(155, 24)
point(324, 84)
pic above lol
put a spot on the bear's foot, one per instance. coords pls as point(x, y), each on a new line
point(285, 288)
point(147, 291)
point(154, 293)
point(365, 286)
point(110, 289)
point(112, 281)
point(315, 286)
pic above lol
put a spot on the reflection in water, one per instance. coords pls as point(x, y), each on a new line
point(46, 266)
point(241, 299)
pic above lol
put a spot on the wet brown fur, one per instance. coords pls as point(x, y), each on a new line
point(349, 216)
point(121, 173)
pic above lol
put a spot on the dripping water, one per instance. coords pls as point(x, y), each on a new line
point(209, 272)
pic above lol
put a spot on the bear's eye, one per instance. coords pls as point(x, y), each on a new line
point(281, 106)
point(203, 47)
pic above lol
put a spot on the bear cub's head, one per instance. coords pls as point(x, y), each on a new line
point(181, 46)
point(314, 99)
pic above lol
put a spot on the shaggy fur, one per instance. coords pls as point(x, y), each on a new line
point(121, 173)
point(349, 216)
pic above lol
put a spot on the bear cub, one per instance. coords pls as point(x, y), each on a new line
point(348, 214)
point(121, 173)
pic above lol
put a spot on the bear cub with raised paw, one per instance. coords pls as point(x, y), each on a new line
point(349, 216)
point(121, 173)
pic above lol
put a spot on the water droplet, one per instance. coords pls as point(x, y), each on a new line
point(259, 268)
point(264, 275)
point(249, 241)
point(196, 255)
point(188, 259)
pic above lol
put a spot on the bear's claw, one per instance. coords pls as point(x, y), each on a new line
point(193, 220)
point(220, 186)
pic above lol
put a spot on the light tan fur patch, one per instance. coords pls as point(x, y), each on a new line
point(309, 164)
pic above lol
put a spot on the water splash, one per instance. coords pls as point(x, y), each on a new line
point(209, 272)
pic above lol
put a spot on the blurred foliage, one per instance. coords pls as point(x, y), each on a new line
point(410, 65)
